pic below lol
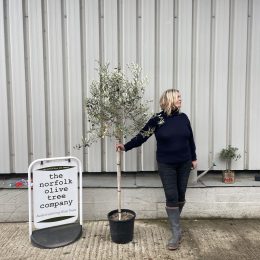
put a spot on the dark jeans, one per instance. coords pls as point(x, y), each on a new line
point(174, 178)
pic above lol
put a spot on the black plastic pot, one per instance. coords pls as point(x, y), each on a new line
point(121, 231)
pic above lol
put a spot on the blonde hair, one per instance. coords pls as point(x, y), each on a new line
point(168, 99)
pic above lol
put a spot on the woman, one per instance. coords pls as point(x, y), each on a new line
point(175, 155)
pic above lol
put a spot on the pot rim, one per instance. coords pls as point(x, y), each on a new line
point(122, 210)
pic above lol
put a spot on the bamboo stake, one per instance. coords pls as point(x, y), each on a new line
point(118, 163)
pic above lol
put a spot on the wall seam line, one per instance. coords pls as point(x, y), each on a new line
point(9, 86)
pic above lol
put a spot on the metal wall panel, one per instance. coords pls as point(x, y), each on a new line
point(253, 116)
point(219, 80)
point(238, 77)
point(202, 81)
point(130, 41)
point(208, 49)
point(56, 67)
point(149, 64)
point(74, 97)
point(36, 83)
point(92, 24)
point(166, 46)
point(17, 89)
point(184, 53)
point(111, 47)
point(4, 129)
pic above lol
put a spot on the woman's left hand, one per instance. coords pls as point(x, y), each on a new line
point(194, 164)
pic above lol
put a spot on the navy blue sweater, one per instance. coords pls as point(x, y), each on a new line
point(175, 143)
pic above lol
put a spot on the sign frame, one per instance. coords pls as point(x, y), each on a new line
point(32, 167)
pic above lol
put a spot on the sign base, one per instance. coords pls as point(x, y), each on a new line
point(57, 236)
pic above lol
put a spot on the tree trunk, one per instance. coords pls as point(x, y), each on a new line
point(118, 163)
point(229, 165)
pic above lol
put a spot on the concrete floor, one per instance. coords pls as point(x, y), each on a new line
point(203, 239)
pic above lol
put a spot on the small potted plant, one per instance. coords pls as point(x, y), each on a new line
point(228, 154)
point(115, 109)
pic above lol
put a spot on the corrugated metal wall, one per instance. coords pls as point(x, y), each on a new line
point(209, 49)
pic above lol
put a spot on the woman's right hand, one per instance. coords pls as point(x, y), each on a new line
point(120, 147)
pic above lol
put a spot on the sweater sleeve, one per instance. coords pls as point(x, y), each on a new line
point(147, 131)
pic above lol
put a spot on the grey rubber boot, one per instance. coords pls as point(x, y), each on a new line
point(174, 218)
point(181, 205)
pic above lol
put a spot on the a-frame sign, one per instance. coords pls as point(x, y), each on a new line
point(55, 201)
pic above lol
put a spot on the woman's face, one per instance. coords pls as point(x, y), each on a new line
point(177, 102)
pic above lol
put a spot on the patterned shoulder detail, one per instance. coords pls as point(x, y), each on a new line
point(158, 122)
point(160, 119)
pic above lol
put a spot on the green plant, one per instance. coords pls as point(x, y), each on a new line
point(228, 154)
point(115, 108)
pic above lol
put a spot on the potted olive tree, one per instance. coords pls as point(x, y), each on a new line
point(115, 109)
point(228, 154)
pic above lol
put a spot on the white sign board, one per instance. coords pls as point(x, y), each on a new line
point(55, 192)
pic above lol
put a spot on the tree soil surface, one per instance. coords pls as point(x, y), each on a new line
point(124, 216)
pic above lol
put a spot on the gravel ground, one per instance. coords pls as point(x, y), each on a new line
point(208, 239)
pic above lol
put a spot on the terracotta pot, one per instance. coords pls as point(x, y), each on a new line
point(228, 177)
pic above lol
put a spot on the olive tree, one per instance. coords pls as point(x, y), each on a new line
point(115, 108)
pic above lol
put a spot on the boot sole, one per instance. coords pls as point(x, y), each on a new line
point(172, 248)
